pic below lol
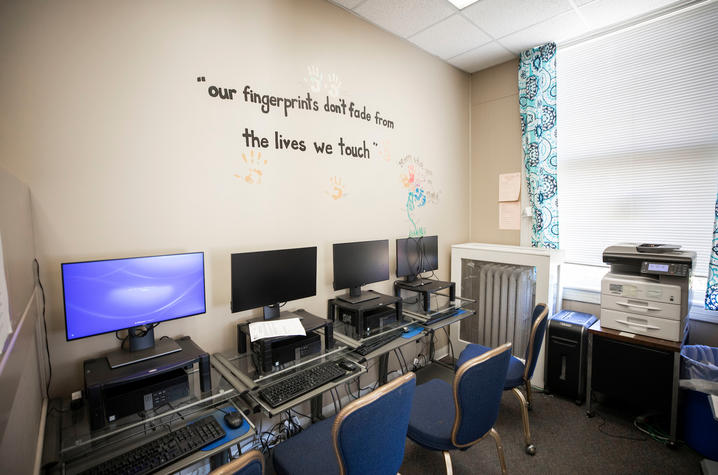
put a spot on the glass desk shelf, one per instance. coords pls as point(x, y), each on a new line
point(74, 444)
point(415, 309)
point(245, 365)
point(344, 333)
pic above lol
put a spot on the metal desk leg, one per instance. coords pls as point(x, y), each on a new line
point(589, 373)
point(316, 407)
point(431, 345)
point(383, 368)
point(674, 399)
point(220, 458)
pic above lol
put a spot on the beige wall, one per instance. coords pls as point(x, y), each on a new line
point(126, 154)
point(495, 147)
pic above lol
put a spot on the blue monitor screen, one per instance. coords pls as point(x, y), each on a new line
point(111, 295)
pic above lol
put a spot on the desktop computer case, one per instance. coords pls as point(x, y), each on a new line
point(155, 379)
point(363, 321)
point(273, 352)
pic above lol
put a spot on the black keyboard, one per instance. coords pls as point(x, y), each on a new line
point(444, 315)
point(377, 342)
point(163, 451)
point(300, 383)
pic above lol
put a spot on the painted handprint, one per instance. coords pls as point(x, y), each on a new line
point(336, 187)
point(418, 196)
point(254, 170)
point(408, 179)
point(314, 80)
point(384, 152)
point(333, 85)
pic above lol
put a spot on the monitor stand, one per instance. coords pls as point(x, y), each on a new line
point(414, 281)
point(271, 312)
point(356, 295)
point(142, 347)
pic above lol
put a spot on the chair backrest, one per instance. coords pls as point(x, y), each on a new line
point(249, 463)
point(369, 433)
point(478, 385)
point(538, 328)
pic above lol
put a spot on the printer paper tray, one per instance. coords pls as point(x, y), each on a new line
point(642, 324)
point(641, 307)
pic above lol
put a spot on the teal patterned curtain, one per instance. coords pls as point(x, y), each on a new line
point(712, 290)
point(537, 105)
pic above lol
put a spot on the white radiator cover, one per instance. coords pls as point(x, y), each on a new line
point(547, 264)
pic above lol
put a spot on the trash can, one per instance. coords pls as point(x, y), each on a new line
point(699, 383)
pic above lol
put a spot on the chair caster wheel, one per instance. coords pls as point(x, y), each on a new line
point(671, 445)
point(590, 414)
point(531, 449)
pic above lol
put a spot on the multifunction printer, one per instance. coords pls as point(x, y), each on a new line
point(647, 290)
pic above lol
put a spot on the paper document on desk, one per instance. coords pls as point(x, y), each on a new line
point(272, 328)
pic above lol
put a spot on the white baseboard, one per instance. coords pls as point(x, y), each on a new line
point(40, 438)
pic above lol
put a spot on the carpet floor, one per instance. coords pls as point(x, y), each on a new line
point(566, 442)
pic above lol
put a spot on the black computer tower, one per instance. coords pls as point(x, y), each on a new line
point(271, 352)
point(566, 354)
point(362, 321)
point(112, 393)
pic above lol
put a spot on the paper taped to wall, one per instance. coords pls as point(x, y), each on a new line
point(5, 325)
point(510, 215)
point(509, 186)
point(273, 328)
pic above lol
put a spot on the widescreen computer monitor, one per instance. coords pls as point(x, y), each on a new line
point(360, 263)
point(267, 278)
point(416, 255)
point(135, 294)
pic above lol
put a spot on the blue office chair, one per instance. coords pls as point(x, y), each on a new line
point(366, 437)
point(249, 463)
point(519, 373)
point(448, 417)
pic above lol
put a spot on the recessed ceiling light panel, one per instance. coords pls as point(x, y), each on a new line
point(461, 4)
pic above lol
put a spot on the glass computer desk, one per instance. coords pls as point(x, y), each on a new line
point(249, 380)
point(415, 323)
point(71, 446)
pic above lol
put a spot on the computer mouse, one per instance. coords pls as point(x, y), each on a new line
point(405, 329)
point(233, 419)
point(347, 365)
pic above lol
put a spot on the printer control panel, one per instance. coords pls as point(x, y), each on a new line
point(664, 268)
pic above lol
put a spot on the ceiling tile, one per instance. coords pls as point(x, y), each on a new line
point(565, 26)
point(482, 57)
point(450, 37)
point(405, 17)
point(347, 3)
point(502, 17)
point(603, 13)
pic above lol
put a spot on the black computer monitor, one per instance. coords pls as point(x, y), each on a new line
point(416, 255)
point(360, 263)
point(267, 278)
point(135, 294)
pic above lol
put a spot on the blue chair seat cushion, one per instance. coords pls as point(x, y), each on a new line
point(310, 451)
point(432, 415)
point(514, 376)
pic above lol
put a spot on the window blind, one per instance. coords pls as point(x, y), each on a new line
point(638, 137)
